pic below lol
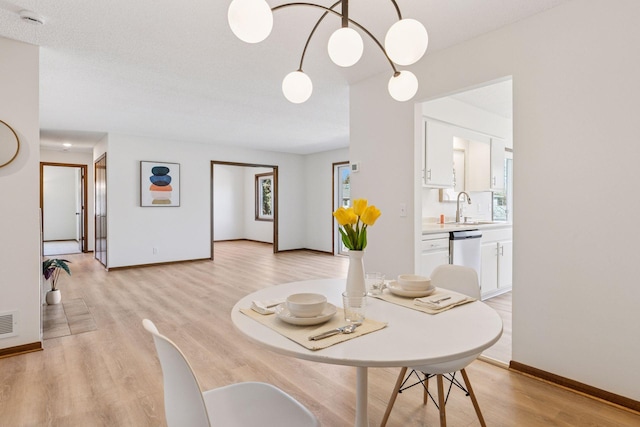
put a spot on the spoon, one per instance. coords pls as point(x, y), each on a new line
point(348, 329)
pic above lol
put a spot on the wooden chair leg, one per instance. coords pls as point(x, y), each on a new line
point(393, 397)
point(473, 397)
point(425, 392)
point(443, 416)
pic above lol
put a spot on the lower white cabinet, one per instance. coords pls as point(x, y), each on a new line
point(497, 262)
point(435, 252)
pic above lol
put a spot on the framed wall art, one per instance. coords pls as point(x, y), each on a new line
point(159, 184)
point(264, 197)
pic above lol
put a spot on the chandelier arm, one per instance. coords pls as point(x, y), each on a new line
point(397, 9)
point(330, 10)
point(315, 27)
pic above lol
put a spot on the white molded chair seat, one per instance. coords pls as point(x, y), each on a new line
point(463, 280)
point(241, 404)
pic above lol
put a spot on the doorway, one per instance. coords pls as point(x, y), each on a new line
point(100, 214)
point(474, 130)
point(341, 197)
point(244, 203)
point(63, 195)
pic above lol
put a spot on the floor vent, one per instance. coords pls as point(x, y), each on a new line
point(8, 323)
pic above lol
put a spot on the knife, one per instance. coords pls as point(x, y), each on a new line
point(343, 329)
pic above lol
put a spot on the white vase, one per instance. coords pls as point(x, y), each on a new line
point(53, 297)
point(355, 274)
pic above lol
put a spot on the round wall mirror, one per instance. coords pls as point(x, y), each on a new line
point(9, 144)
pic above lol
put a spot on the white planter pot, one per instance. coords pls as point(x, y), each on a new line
point(54, 297)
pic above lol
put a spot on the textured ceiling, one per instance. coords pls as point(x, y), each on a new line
point(173, 70)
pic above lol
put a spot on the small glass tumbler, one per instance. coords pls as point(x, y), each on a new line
point(354, 306)
point(374, 282)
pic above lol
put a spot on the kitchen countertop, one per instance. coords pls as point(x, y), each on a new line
point(431, 228)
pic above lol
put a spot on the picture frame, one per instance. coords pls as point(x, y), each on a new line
point(264, 196)
point(159, 184)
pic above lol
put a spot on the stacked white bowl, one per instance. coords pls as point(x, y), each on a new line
point(412, 282)
point(306, 304)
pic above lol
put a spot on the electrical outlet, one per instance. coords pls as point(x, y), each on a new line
point(155, 251)
point(403, 209)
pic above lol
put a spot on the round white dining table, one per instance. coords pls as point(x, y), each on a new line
point(411, 338)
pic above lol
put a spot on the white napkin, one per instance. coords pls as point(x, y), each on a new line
point(266, 306)
point(438, 301)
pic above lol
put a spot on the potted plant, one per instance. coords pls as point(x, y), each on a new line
point(51, 271)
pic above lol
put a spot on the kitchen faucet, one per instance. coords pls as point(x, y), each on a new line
point(458, 204)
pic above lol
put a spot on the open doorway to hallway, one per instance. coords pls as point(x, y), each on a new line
point(244, 203)
point(63, 194)
point(341, 197)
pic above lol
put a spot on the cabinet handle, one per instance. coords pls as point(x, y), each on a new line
point(428, 174)
point(502, 250)
point(494, 181)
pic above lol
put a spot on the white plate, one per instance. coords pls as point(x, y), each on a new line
point(285, 315)
point(395, 289)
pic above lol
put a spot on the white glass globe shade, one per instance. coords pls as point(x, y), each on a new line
point(345, 47)
point(406, 41)
point(297, 87)
point(250, 20)
point(404, 86)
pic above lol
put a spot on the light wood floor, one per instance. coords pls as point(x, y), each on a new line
point(501, 351)
point(111, 376)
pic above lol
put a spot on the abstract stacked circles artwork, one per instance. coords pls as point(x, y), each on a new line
point(159, 184)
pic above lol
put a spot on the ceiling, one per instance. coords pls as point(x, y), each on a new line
point(174, 70)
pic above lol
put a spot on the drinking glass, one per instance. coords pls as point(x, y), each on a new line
point(354, 306)
point(374, 282)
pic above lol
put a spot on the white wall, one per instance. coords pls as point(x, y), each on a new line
point(319, 197)
point(19, 192)
point(456, 112)
point(228, 204)
point(576, 95)
point(77, 158)
point(183, 233)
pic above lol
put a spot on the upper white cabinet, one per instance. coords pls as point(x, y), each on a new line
point(486, 164)
point(497, 164)
point(437, 170)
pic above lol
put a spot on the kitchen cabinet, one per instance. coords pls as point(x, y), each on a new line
point(486, 164)
point(437, 167)
point(435, 252)
point(496, 252)
point(497, 164)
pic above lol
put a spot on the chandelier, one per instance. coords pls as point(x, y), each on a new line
point(405, 43)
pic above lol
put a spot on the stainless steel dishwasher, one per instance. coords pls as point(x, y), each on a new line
point(465, 248)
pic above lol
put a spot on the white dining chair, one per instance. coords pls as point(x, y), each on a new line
point(463, 280)
point(240, 404)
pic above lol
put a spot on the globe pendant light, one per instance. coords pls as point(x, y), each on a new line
point(345, 47)
point(250, 20)
point(297, 87)
point(403, 85)
point(406, 42)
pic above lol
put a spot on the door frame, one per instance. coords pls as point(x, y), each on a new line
point(334, 197)
point(275, 197)
point(96, 228)
point(83, 169)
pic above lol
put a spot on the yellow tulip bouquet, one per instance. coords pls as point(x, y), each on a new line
point(354, 221)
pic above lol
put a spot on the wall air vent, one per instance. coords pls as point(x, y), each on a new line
point(8, 324)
